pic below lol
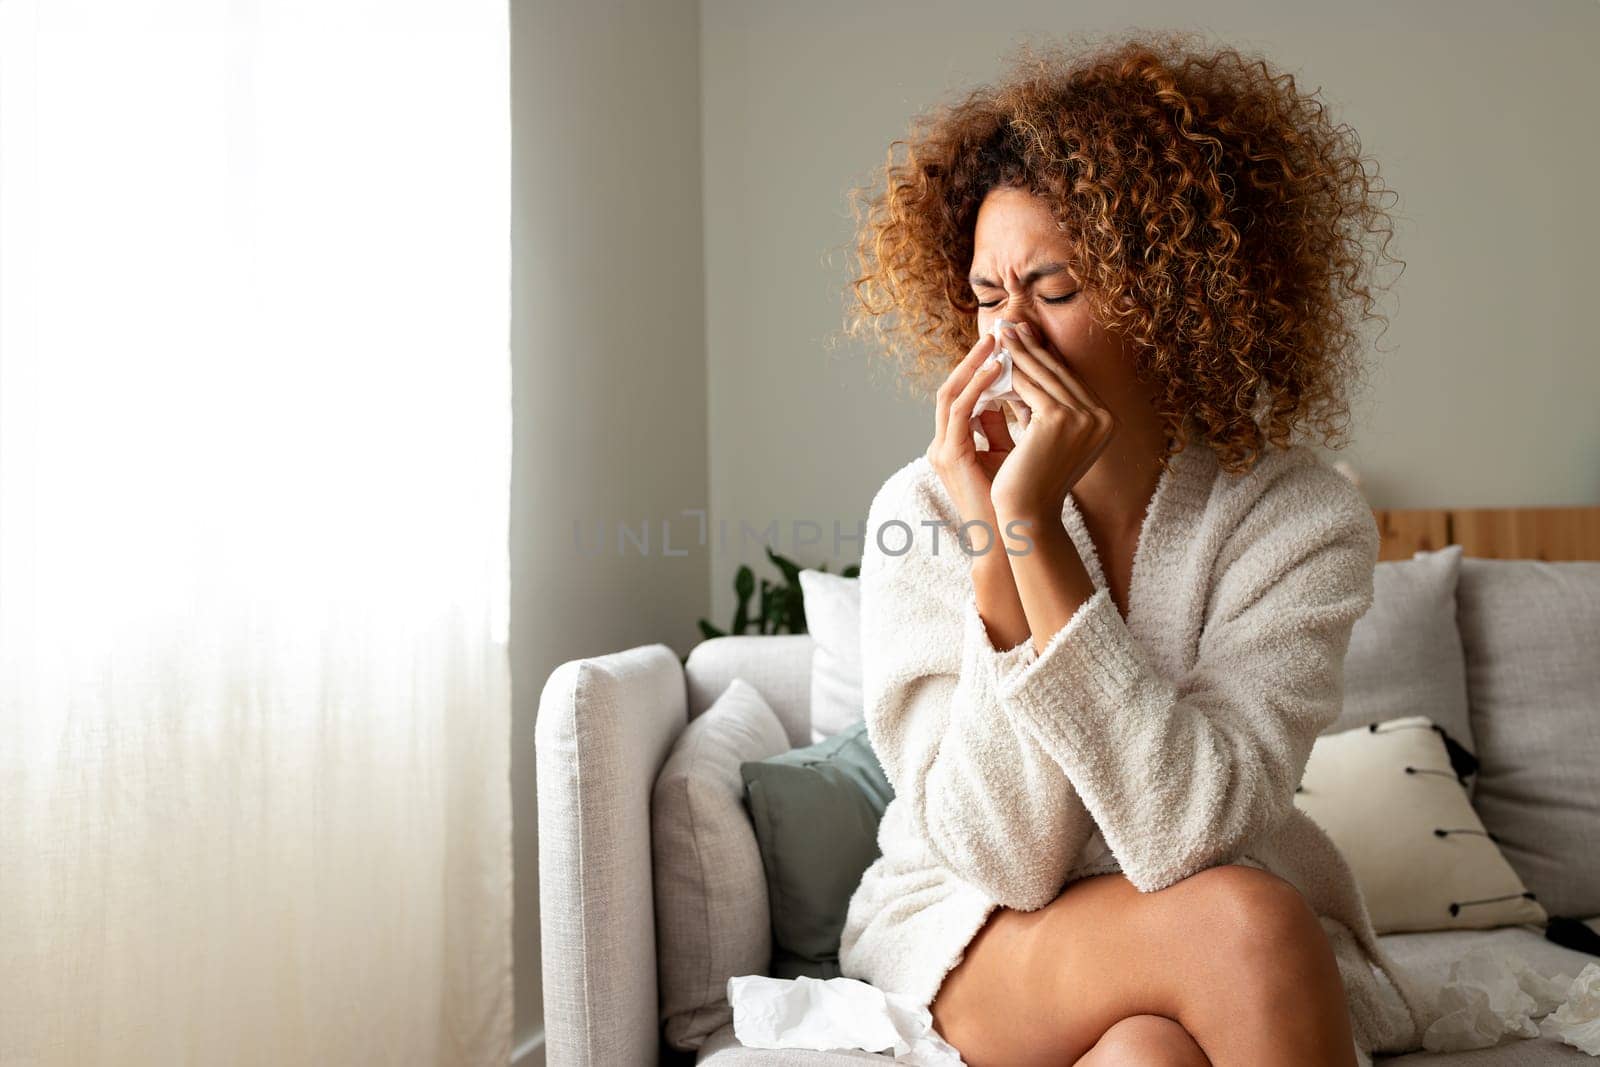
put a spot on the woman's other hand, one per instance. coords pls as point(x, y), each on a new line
point(1067, 431)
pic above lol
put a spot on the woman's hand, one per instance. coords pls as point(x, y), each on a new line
point(1067, 431)
point(967, 473)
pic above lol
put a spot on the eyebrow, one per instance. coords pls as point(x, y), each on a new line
point(1041, 271)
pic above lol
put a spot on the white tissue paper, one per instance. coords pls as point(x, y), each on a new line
point(836, 1013)
point(1577, 1021)
point(1000, 389)
point(1489, 996)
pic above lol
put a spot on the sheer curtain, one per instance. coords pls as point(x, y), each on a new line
point(254, 468)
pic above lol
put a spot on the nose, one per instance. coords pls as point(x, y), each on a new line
point(1014, 309)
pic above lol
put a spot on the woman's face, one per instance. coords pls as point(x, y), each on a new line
point(1019, 274)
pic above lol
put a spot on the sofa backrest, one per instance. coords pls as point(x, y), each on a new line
point(778, 665)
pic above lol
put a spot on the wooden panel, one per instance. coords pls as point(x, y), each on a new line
point(1528, 533)
point(1412, 530)
point(1492, 533)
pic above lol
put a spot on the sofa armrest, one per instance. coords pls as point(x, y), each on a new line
point(604, 728)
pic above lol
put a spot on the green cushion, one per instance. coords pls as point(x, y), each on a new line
point(816, 811)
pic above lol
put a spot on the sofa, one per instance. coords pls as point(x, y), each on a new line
point(1526, 672)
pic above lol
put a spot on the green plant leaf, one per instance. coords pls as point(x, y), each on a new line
point(791, 571)
point(743, 582)
point(778, 609)
point(792, 611)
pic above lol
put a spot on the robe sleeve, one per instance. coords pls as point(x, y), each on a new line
point(1182, 775)
point(983, 794)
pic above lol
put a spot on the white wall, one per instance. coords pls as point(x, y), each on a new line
point(1480, 115)
point(609, 350)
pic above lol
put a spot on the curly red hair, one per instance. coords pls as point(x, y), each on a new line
point(1218, 217)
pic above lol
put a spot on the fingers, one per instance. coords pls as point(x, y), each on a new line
point(1035, 367)
point(995, 431)
point(1033, 394)
point(1049, 368)
point(1042, 397)
point(960, 417)
point(958, 379)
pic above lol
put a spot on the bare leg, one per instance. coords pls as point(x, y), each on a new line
point(1233, 954)
point(1146, 1040)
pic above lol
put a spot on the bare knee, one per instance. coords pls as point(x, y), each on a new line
point(1267, 932)
point(1152, 1040)
point(1256, 912)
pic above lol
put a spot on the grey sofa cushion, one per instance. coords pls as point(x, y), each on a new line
point(1405, 654)
point(816, 812)
point(724, 1049)
point(710, 893)
point(1531, 633)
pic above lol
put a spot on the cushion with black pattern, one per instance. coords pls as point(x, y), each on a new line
point(1396, 805)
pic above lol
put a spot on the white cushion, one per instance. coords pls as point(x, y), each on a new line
point(1384, 818)
point(833, 618)
point(712, 920)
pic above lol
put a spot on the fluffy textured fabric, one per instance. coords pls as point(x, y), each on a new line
point(1159, 745)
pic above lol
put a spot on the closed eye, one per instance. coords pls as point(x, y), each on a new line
point(1046, 299)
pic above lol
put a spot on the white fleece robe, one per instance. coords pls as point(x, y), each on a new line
point(1159, 745)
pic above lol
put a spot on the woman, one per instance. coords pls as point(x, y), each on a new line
point(1095, 708)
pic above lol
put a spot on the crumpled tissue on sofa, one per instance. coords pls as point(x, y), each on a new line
point(1489, 996)
point(1577, 1021)
point(836, 1013)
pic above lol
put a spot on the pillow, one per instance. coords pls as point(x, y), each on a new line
point(710, 894)
point(833, 618)
point(1405, 653)
point(1530, 631)
point(816, 812)
point(1387, 795)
